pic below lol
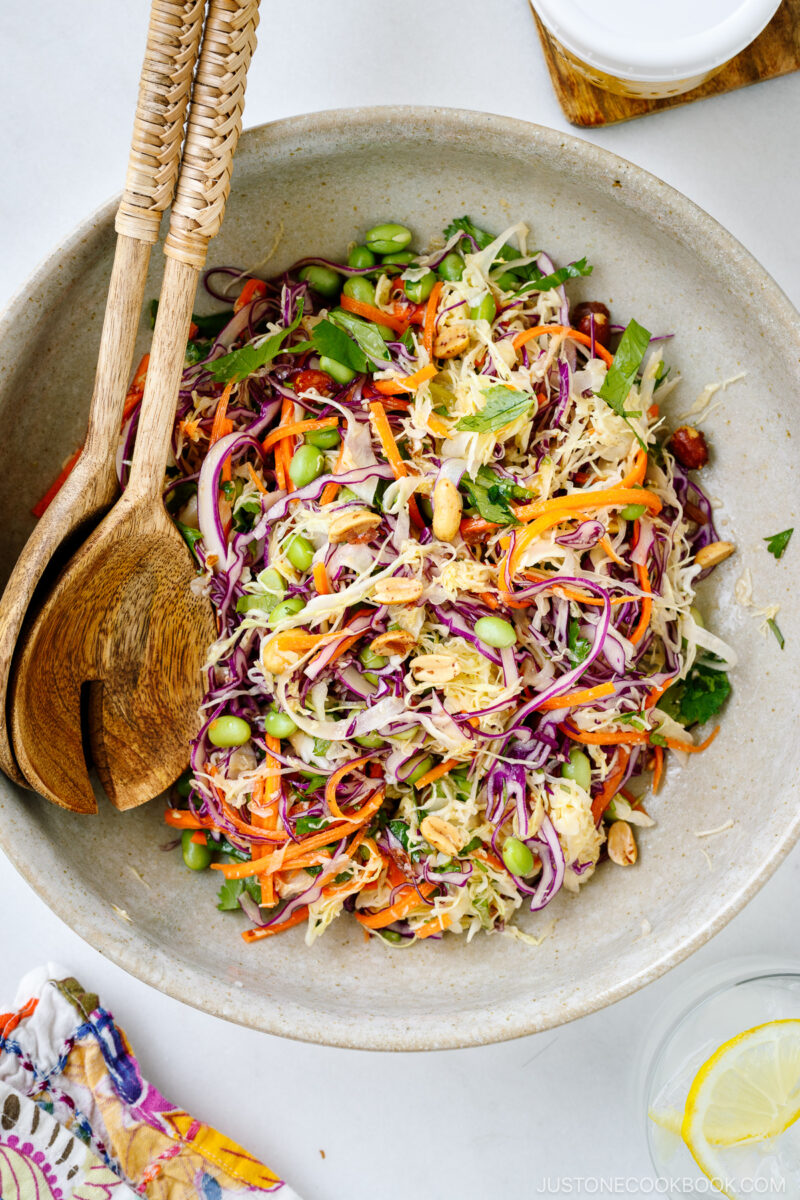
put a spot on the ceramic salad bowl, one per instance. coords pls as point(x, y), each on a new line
point(308, 186)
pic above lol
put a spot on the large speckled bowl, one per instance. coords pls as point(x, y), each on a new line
point(311, 185)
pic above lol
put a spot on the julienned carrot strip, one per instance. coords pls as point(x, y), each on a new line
point(571, 699)
point(611, 552)
point(564, 330)
point(637, 471)
point(489, 600)
point(688, 747)
point(437, 426)
point(321, 581)
point(252, 290)
point(647, 605)
point(570, 593)
point(391, 320)
point(133, 398)
point(55, 487)
point(490, 858)
point(270, 798)
point(616, 737)
point(285, 448)
point(218, 426)
point(199, 837)
point(335, 779)
point(657, 692)
point(404, 383)
point(179, 818)
point(436, 772)
point(430, 317)
point(615, 497)
point(386, 437)
point(658, 768)
point(288, 854)
point(297, 428)
point(330, 489)
point(409, 898)
point(602, 800)
point(255, 478)
point(265, 931)
point(437, 925)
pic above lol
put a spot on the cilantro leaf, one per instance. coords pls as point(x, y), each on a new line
point(305, 825)
point(232, 889)
point(365, 333)
point(622, 372)
point(240, 363)
point(579, 646)
point(494, 510)
point(501, 487)
point(400, 831)
point(698, 697)
point(502, 405)
point(190, 536)
point(777, 542)
point(332, 342)
point(467, 226)
point(779, 638)
point(544, 283)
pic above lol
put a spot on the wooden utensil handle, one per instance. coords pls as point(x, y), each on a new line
point(214, 125)
point(173, 40)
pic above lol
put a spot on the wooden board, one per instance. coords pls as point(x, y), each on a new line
point(775, 52)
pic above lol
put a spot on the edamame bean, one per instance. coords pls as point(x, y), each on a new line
point(246, 604)
point(507, 282)
point(494, 631)
point(485, 310)
point(359, 288)
point(228, 731)
point(286, 608)
point(273, 583)
point(336, 370)
point(518, 857)
point(401, 259)
point(418, 290)
point(361, 257)
point(324, 439)
point(420, 770)
point(386, 239)
point(307, 463)
point(184, 785)
point(632, 512)
point(370, 659)
point(196, 855)
point(391, 935)
point(451, 267)
point(279, 724)
point(371, 677)
point(370, 741)
point(578, 768)
point(322, 280)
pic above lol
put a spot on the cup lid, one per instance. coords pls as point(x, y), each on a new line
point(655, 40)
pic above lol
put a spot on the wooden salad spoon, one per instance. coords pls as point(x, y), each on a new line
point(173, 40)
point(124, 617)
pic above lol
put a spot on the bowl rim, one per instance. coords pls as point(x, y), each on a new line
point(184, 982)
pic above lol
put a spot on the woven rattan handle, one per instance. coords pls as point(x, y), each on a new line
point(214, 125)
point(173, 40)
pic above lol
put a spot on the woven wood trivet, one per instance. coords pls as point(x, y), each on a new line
point(775, 52)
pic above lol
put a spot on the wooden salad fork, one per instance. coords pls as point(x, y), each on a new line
point(173, 40)
point(124, 622)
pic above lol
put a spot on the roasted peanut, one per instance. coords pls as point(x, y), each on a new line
point(689, 447)
point(591, 313)
point(397, 590)
point(441, 835)
point(355, 527)
point(394, 641)
point(622, 844)
point(450, 340)
point(713, 553)
point(275, 660)
point(434, 668)
point(447, 506)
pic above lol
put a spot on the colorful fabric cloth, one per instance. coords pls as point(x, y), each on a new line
point(78, 1121)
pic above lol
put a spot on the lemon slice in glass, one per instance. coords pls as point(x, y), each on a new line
point(747, 1092)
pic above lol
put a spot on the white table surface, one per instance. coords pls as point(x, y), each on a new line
point(512, 1119)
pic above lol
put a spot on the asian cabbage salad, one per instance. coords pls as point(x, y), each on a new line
point(453, 554)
